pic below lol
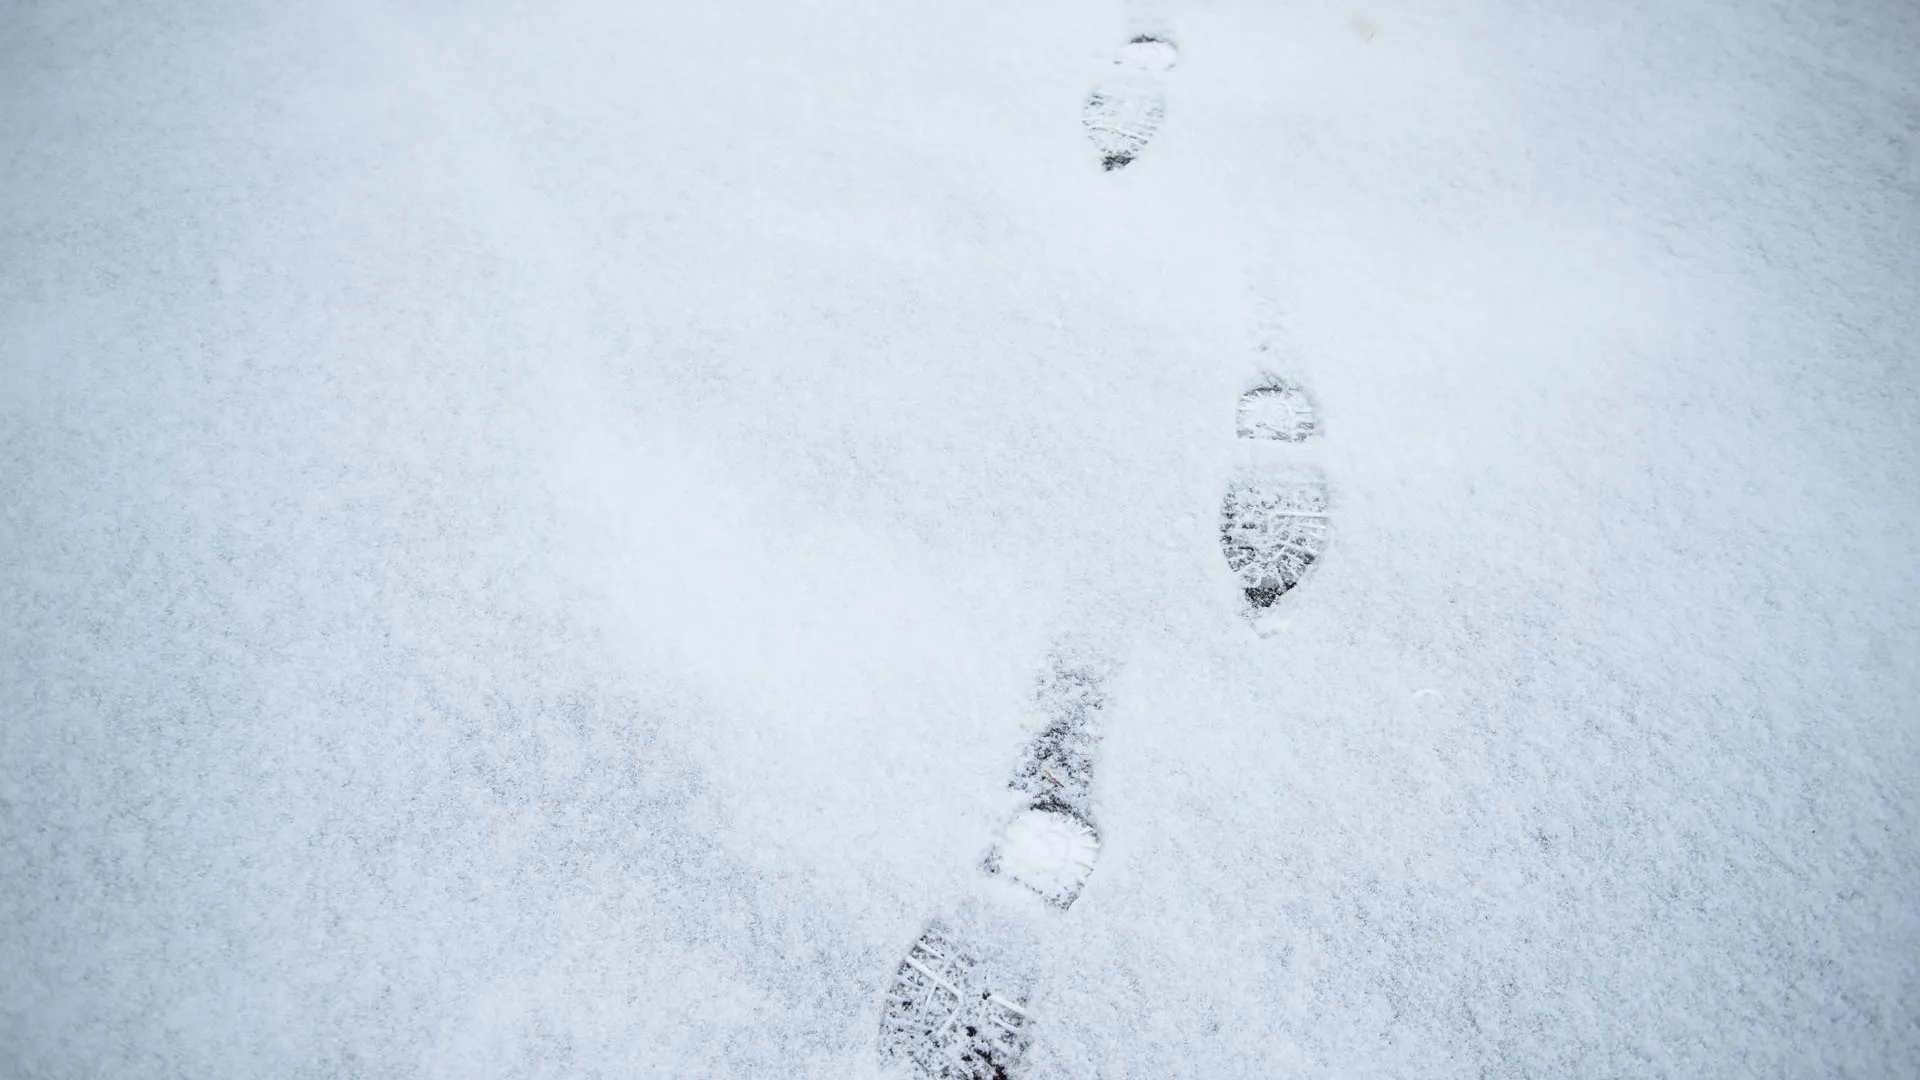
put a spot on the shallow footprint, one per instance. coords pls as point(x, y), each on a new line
point(1124, 112)
point(1051, 846)
point(949, 1014)
point(1273, 520)
point(1273, 530)
point(1277, 409)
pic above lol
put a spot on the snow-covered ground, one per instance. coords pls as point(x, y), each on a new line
point(528, 533)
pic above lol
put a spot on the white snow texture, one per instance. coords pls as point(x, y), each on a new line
point(1049, 852)
point(527, 534)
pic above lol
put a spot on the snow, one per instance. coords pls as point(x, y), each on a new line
point(1049, 852)
point(529, 533)
point(1276, 409)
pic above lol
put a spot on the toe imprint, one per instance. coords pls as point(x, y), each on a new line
point(945, 1015)
point(1272, 531)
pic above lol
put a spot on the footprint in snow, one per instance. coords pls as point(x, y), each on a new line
point(1276, 409)
point(957, 1008)
point(1050, 847)
point(1273, 520)
point(1126, 108)
point(951, 1013)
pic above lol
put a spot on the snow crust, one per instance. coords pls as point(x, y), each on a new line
point(527, 533)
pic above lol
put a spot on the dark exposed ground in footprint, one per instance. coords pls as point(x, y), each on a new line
point(945, 1015)
point(1056, 772)
point(1273, 531)
point(1124, 113)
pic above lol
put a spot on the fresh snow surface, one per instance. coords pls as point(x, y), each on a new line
point(528, 533)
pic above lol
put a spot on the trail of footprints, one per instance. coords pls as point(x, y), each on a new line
point(957, 1007)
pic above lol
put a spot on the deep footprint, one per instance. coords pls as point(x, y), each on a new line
point(946, 1016)
point(1125, 111)
point(1051, 846)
